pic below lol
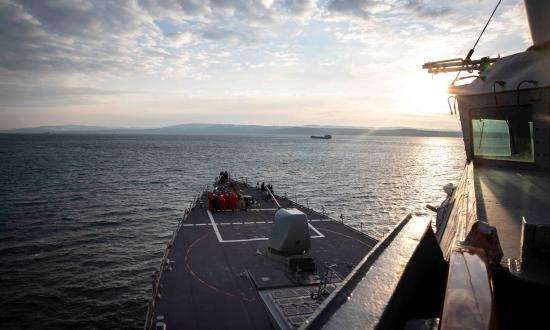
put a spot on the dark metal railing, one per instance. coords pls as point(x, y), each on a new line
point(163, 264)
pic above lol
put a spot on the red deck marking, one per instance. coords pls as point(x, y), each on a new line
point(208, 285)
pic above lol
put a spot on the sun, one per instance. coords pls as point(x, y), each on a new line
point(425, 95)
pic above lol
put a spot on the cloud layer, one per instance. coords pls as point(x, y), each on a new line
point(92, 50)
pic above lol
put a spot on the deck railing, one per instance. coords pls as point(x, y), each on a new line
point(460, 214)
point(323, 213)
point(163, 264)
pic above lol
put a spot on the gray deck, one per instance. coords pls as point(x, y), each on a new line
point(217, 256)
point(504, 195)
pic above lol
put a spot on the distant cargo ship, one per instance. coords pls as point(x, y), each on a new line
point(326, 137)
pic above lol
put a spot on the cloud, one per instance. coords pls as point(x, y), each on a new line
point(215, 33)
point(248, 11)
point(352, 8)
point(366, 9)
point(118, 37)
point(224, 54)
point(296, 7)
point(425, 11)
point(179, 39)
point(38, 95)
point(88, 49)
point(63, 37)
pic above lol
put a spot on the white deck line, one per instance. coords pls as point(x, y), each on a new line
point(245, 240)
point(245, 223)
point(237, 210)
point(319, 235)
point(214, 226)
point(221, 240)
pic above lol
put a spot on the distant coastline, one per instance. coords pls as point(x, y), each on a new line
point(226, 129)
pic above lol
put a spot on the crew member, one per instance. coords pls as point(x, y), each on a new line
point(233, 201)
point(214, 202)
point(221, 202)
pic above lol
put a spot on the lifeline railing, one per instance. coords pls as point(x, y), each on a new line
point(163, 264)
point(273, 198)
point(324, 213)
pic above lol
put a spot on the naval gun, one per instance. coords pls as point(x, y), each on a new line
point(459, 64)
point(290, 233)
point(290, 240)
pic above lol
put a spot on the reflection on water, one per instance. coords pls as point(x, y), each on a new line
point(84, 219)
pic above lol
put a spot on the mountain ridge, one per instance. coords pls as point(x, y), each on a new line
point(235, 129)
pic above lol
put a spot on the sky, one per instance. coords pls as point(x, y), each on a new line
point(152, 63)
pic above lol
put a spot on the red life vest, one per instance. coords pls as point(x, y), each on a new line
point(233, 201)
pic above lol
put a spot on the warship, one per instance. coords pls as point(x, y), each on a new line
point(243, 257)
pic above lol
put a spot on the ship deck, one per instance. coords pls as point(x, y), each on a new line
point(505, 195)
point(219, 274)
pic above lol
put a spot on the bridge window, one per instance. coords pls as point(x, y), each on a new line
point(503, 134)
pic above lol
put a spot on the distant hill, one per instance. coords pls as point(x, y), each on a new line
point(56, 129)
point(227, 129)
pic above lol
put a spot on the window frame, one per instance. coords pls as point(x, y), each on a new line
point(495, 113)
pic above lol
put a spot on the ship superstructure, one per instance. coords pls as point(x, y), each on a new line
point(502, 203)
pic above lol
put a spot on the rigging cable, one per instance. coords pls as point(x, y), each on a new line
point(485, 27)
point(471, 52)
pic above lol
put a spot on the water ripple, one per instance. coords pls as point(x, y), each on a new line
point(84, 220)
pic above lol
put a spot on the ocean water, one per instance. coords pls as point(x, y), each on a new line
point(84, 220)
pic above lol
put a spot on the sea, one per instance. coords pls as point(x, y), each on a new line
point(84, 219)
